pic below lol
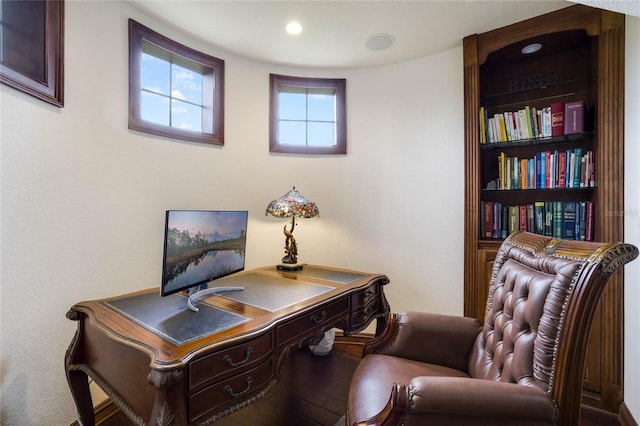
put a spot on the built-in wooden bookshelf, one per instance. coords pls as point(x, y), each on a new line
point(581, 63)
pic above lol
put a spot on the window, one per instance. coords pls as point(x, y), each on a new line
point(307, 115)
point(31, 48)
point(174, 91)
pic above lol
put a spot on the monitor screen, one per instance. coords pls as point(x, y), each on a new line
point(201, 246)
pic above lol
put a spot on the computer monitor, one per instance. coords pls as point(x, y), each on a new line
point(201, 246)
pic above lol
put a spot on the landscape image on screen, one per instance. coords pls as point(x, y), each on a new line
point(201, 246)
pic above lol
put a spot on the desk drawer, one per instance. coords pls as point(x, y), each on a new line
point(317, 318)
point(231, 391)
point(362, 298)
point(363, 315)
point(212, 367)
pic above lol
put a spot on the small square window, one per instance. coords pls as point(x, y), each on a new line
point(307, 115)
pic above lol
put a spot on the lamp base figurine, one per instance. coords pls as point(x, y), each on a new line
point(289, 266)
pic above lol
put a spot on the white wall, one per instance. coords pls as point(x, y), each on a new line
point(83, 198)
point(632, 215)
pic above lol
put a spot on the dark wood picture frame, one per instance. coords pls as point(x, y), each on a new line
point(45, 79)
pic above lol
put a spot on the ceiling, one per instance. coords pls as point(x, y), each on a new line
point(335, 33)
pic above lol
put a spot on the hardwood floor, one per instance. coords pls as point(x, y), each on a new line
point(312, 391)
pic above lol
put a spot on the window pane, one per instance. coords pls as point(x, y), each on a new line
point(292, 133)
point(186, 84)
point(322, 104)
point(321, 134)
point(155, 74)
point(307, 115)
point(186, 116)
point(291, 105)
point(23, 38)
point(155, 108)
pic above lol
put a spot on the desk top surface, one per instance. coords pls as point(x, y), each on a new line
point(165, 328)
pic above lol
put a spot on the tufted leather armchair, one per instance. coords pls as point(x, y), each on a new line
point(522, 367)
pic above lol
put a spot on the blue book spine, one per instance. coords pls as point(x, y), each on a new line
point(569, 220)
point(543, 170)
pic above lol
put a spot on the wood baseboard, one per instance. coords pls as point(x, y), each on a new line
point(625, 417)
point(103, 411)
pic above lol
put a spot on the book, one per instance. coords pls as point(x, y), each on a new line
point(514, 220)
point(589, 221)
point(546, 122)
point(531, 218)
point(538, 208)
point(483, 124)
point(569, 220)
point(522, 216)
point(557, 219)
point(497, 216)
point(548, 219)
point(501, 128)
point(573, 117)
point(543, 170)
point(581, 221)
point(534, 122)
point(577, 170)
point(487, 219)
point(557, 119)
point(504, 224)
point(527, 117)
point(562, 169)
point(548, 169)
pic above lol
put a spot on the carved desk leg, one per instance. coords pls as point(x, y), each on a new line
point(76, 377)
point(381, 320)
point(168, 408)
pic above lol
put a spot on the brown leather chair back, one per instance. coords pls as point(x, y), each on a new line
point(542, 297)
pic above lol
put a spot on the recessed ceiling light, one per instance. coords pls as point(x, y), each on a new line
point(531, 48)
point(380, 41)
point(293, 27)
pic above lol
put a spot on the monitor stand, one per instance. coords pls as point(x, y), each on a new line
point(211, 290)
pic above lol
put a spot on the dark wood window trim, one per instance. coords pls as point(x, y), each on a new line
point(213, 91)
point(49, 88)
point(341, 127)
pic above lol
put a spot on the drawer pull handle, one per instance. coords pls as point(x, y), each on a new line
point(247, 354)
point(317, 320)
point(227, 389)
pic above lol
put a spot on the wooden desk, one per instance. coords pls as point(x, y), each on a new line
point(155, 380)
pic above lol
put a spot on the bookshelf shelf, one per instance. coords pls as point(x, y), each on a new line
point(553, 140)
point(582, 62)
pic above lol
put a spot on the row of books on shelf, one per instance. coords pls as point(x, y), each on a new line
point(571, 220)
point(547, 170)
point(560, 118)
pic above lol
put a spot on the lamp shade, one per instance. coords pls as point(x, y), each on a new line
point(292, 204)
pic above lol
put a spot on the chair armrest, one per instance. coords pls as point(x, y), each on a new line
point(457, 400)
point(432, 338)
point(488, 400)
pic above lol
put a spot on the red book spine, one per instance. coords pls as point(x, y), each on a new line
point(589, 227)
point(522, 215)
point(562, 169)
point(548, 171)
point(488, 219)
point(557, 119)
